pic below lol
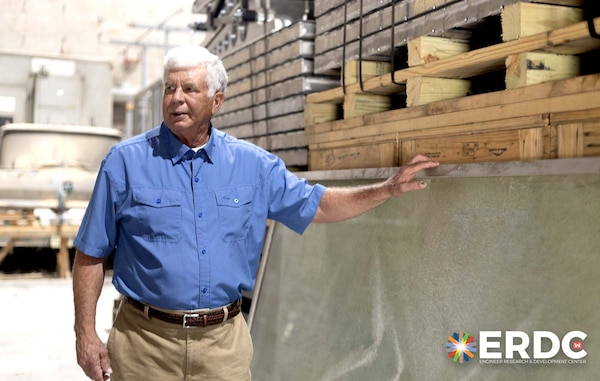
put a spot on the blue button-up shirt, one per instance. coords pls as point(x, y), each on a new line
point(187, 228)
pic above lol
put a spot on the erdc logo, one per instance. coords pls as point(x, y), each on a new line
point(461, 347)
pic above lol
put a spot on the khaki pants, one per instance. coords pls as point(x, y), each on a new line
point(150, 349)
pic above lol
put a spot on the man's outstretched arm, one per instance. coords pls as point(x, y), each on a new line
point(339, 204)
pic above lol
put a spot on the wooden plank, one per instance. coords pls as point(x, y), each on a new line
point(423, 90)
point(591, 138)
point(23, 232)
point(526, 19)
point(13, 217)
point(315, 113)
point(531, 144)
point(579, 139)
point(573, 39)
point(571, 102)
point(355, 71)
point(532, 121)
point(430, 48)
point(363, 104)
point(476, 148)
point(8, 249)
point(62, 258)
point(545, 91)
point(571, 3)
point(570, 138)
point(533, 67)
point(542, 91)
point(368, 156)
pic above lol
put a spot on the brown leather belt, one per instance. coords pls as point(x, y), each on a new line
point(192, 319)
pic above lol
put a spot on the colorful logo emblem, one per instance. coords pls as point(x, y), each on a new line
point(461, 347)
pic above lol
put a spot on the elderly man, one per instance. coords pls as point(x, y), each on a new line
point(184, 209)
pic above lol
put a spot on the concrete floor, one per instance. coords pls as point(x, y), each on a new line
point(37, 342)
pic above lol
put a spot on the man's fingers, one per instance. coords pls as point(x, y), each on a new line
point(416, 165)
point(92, 356)
point(412, 186)
point(418, 158)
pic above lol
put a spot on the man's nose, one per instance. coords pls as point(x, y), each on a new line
point(177, 95)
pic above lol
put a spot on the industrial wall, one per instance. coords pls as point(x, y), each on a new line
point(55, 90)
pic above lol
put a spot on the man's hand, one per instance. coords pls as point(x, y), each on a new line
point(342, 203)
point(404, 179)
point(92, 357)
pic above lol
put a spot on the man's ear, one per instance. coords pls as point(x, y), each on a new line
point(217, 101)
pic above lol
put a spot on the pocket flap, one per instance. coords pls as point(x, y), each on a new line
point(158, 198)
point(234, 197)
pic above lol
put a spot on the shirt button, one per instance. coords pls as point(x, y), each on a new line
point(196, 179)
point(236, 200)
point(158, 200)
point(200, 215)
point(204, 290)
point(203, 251)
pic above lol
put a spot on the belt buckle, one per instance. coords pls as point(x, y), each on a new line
point(189, 316)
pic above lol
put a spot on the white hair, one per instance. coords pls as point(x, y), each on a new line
point(188, 56)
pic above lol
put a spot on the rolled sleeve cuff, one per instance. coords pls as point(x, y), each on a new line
point(310, 209)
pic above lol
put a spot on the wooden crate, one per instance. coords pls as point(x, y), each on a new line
point(511, 145)
point(578, 134)
point(377, 155)
point(542, 121)
point(572, 135)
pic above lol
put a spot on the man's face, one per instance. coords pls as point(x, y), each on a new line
point(186, 107)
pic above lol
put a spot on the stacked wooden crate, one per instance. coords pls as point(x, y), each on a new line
point(269, 79)
point(511, 81)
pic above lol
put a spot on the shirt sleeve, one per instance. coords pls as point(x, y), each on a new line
point(293, 200)
point(98, 232)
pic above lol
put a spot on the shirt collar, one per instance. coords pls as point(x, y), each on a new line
point(179, 151)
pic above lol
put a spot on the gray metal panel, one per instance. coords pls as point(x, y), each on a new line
point(58, 99)
point(19, 94)
point(294, 86)
point(299, 50)
point(302, 30)
point(376, 297)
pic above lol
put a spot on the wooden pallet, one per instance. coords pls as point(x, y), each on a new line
point(573, 39)
point(23, 225)
point(441, 116)
point(548, 120)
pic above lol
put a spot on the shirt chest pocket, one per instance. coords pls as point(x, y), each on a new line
point(157, 215)
point(234, 206)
